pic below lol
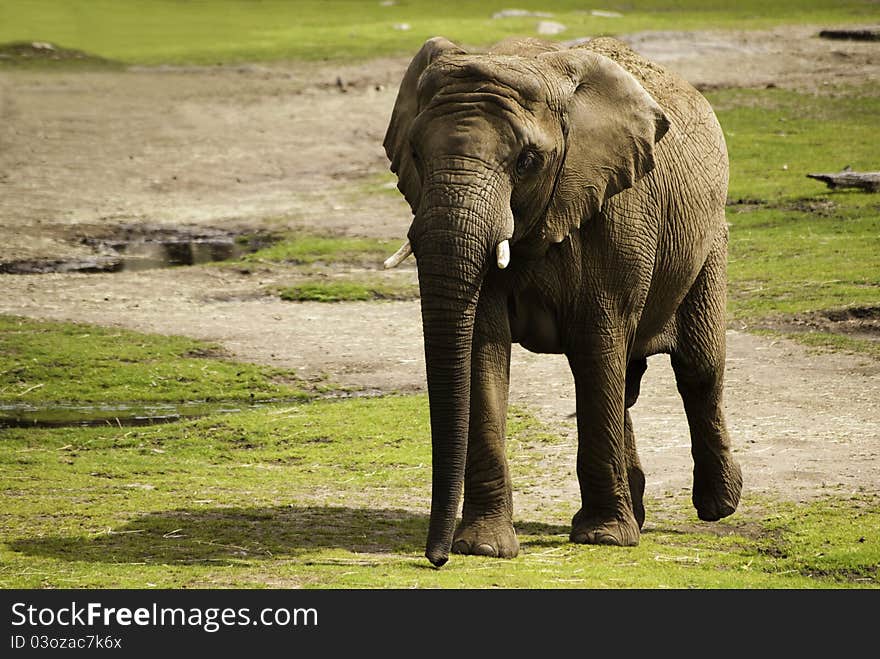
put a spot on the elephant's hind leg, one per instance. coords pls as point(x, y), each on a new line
point(698, 362)
point(634, 473)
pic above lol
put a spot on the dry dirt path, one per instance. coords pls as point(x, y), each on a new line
point(300, 145)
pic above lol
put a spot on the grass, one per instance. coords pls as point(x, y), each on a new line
point(320, 290)
point(168, 31)
point(304, 248)
point(796, 247)
point(332, 269)
point(43, 362)
point(775, 137)
point(786, 262)
point(335, 494)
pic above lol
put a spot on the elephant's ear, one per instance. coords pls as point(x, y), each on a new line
point(611, 126)
point(406, 107)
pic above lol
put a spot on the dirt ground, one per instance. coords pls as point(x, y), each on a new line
point(282, 145)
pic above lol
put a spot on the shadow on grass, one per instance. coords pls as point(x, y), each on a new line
point(193, 536)
point(207, 535)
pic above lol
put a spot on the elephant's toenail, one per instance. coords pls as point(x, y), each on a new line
point(606, 539)
point(483, 549)
point(460, 547)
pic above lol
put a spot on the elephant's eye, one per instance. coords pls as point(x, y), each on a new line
point(417, 162)
point(527, 162)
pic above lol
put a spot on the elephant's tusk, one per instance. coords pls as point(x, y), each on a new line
point(502, 252)
point(398, 257)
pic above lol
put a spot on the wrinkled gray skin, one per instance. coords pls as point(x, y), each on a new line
point(608, 176)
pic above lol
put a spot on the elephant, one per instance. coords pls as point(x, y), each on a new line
point(570, 200)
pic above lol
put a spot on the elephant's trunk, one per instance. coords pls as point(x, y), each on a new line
point(452, 247)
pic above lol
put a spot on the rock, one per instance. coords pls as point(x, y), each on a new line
point(520, 13)
point(550, 28)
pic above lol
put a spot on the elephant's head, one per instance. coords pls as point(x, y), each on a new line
point(491, 151)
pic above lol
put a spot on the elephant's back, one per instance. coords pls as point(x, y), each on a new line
point(695, 140)
point(672, 92)
point(691, 166)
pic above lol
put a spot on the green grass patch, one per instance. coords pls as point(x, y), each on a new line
point(785, 262)
point(775, 137)
point(168, 31)
point(335, 494)
point(348, 291)
point(795, 246)
point(42, 361)
point(333, 269)
point(824, 538)
point(303, 248)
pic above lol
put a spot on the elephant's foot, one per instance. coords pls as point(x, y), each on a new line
point(486, 537)
point(717, 488)
point(621, 530)
point(636, 478)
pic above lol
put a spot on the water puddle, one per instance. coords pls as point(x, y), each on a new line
point(127, 414)
point(138, 247)
point(123, 414)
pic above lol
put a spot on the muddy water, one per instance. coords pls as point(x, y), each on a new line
point(146, 255)
point(147, 248)
point(57, 415)
point(134, 413)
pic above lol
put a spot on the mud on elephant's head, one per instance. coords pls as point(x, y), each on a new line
point(502, 152)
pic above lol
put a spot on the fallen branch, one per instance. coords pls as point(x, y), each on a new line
point(867, 181)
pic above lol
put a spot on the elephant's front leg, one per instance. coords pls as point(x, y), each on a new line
point(606, 516)
point(487, 519)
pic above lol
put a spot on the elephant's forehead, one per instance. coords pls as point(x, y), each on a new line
point(516, 77)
